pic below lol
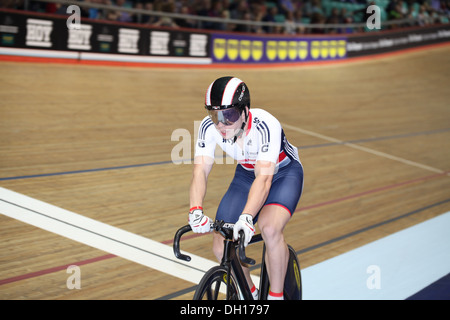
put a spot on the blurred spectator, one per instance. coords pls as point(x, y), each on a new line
point(258, 11)
point(317, 18)
point(94, 13)
point(137, 18)
point(146, 18)
point(270, 17)
point(185, 23)
point(313, 7)
point(12, 4)
point(215, 11)
point(394, 10)
point(111, 14)
point(286, 6)
point(165, 21)
point(334, 17)
point(245, 27)
point(289, 24)
point(240, 10)
point(203, 9)
point(124, 16)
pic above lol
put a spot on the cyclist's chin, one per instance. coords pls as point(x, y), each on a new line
point(227, 133)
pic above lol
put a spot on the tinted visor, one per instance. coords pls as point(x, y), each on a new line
point(226, 116)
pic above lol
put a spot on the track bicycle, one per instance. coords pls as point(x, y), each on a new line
point(228, 277)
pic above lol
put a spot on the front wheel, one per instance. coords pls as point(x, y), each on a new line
point(213, 285)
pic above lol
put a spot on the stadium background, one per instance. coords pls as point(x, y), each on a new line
point(90, 119)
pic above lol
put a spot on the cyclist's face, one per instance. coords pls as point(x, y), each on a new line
point(227, 121)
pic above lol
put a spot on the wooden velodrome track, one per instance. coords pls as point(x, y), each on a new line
point(373, 136)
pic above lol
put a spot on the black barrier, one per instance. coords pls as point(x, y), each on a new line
point(30, 31)
point(396, 40)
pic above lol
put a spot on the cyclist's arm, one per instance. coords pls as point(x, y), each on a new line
point(202, 168)
point(203, 161)
point(265, 164)
point(260, 188)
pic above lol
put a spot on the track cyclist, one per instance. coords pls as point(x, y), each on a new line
point(268, 180)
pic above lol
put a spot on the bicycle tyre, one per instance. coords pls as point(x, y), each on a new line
point(212, 282)
point(293, 280)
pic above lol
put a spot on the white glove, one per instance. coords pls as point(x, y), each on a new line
point(244, 223)
point(199, 222)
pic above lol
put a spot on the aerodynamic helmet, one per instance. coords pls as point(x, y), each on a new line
point(227, 92)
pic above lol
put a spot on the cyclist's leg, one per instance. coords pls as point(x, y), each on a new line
point(272, 220)
point(281, 202)
point(230, 208)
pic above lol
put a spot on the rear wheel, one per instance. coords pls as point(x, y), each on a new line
point(213, 285)
point(293, 280)
point(292, 283)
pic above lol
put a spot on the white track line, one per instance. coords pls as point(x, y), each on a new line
point(99, 235)
point(365, 149)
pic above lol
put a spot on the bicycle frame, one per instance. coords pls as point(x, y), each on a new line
point(232, 262)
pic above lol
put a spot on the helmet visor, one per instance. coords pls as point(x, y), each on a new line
point(226, 116)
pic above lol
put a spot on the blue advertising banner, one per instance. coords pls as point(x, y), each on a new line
point(228, 48)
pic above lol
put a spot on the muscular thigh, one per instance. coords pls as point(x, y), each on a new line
point(234, 200)
point(287, 187)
